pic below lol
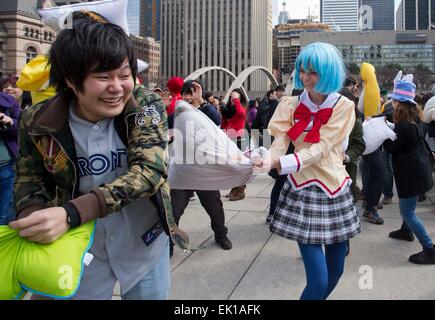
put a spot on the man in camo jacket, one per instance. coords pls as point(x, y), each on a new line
point(97, 150)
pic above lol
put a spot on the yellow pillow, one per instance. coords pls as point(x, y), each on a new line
point(53, 270)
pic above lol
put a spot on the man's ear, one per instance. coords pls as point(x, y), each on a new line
point(71, 86)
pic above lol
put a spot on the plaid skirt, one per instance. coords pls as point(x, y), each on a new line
point(309, 216)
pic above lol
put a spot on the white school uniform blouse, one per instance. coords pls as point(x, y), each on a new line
point(320, 163)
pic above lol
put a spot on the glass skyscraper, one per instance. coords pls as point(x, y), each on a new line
point(133, 13)
point(417, 15)
point(144, 18)
point(377, 15)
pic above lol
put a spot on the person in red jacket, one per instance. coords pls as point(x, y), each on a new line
point(234, 122)
point(174, 86)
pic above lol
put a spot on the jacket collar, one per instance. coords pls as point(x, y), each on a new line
point(54, 114)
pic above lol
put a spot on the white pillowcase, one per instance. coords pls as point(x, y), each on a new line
point(115, 11)
point(375, 132)
point(202, 157)
point(429, 110)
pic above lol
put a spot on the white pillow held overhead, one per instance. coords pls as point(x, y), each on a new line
point(115, 11)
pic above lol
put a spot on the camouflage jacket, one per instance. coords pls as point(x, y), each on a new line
point(47, 166)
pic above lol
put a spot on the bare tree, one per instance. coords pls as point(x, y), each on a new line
point(387, 73)
point(423, 76)
point(353, 69)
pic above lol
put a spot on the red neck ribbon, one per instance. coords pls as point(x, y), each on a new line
point(304, 115)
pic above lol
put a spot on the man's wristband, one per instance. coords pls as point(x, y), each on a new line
point(72, 215)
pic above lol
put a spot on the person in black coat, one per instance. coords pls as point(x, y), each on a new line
point(411, 166)
point(265, 112)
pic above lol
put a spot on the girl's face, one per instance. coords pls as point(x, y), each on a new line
point(309, 78)
point(12, 89)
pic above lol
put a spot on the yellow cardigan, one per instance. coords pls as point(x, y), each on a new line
point(320, 163)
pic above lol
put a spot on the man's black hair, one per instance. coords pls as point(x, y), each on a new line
point(206, 95)
point(88, 47)
point(297, 92)
point(280, 88)
point(188, 86)
point(268, 93)
point(350, 81)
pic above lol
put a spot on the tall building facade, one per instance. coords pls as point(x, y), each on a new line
point(147, 49)
point(22, 35)
point(134, 16)
point(144, 18)
point(399, 16)
point(406, 48)
point(341, 15)
point(152, 19)
point(416, 15)
point(376, 15)
point(234, 34)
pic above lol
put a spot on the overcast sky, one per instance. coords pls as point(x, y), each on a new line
point(299, 8)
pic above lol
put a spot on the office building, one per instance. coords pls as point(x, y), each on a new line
point(234, 34)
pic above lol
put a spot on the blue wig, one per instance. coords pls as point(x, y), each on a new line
point(326, 60)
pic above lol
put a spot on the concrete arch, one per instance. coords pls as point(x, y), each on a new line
point(238, 83)
point(196, 74)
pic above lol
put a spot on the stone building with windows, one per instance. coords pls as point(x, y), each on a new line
point(22, 35)
point(147, 49)
point(405, 48)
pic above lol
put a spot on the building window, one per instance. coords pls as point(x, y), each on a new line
point(31, 53)
point(26, 32)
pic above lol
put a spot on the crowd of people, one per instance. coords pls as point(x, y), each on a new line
point(100, 114)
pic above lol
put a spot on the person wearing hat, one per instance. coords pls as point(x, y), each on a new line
point(410, 164)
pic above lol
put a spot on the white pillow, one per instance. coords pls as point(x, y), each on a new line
point(375, 132)
point(429, 110)
point(141, 65)
point(202, 156)
point(115, 11)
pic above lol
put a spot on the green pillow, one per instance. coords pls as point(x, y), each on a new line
point(53, 270)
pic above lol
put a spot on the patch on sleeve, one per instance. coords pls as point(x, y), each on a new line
point(149, 115)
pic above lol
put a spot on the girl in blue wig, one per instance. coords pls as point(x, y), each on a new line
point(315, 206)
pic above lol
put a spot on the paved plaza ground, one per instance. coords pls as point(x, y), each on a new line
point(266, 266)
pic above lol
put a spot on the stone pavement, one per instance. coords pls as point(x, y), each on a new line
point(262, 266)
point(266, 266)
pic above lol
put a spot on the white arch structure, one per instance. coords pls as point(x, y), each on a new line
point(238, 81)
point(196, 74)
